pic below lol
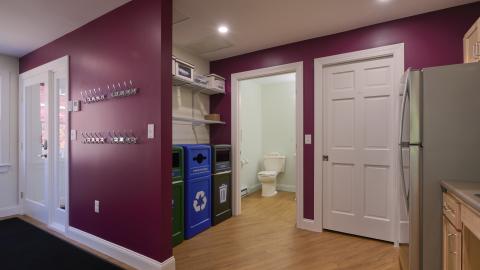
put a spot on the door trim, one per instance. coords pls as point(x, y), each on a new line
point(235, 139)
point(59, 65)
point(395, 51)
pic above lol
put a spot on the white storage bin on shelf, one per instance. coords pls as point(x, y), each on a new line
point(200, 80)
point(182, 69)
point(216, 82)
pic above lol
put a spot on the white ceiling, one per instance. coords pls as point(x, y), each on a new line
point(26, 25)
point(261, 24)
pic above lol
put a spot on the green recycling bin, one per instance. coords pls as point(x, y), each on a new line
point(177, 195)
point(177, 212)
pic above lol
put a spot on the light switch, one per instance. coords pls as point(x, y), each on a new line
point(308, 138)
point(97, 206)
point(73, 135)
point(73, 105)
point(151, 131)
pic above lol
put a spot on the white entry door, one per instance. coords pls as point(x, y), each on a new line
point(37, 151)
point(360, 121)
point(44, 143)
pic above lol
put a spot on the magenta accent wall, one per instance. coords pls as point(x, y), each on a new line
point(132, 182)
point(430, 39)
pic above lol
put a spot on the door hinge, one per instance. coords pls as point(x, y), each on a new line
point(325, 157)
point(21, 195)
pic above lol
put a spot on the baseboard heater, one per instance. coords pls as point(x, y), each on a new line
point(244, 192)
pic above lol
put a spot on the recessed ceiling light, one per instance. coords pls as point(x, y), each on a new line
point(222, 29)
point(383, 1)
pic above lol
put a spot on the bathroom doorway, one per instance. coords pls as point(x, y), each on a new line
point(267, 134)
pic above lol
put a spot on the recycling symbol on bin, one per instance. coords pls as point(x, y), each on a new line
point(200, 201)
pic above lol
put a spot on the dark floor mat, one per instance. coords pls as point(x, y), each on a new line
point(24, 246)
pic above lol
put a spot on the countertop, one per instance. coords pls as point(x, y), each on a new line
point(465, 191)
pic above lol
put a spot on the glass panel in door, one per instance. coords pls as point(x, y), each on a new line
point(61, 140)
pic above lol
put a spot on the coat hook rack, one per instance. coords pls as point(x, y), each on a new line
point(110, 137)
point(116, 90)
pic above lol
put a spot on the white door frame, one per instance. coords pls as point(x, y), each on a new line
point(60, 65)
point(395, 51)
point(235, 83)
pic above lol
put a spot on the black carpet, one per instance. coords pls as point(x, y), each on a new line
point(24, 246)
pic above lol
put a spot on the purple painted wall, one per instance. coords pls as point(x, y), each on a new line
point(132, 182)
point(430, 39)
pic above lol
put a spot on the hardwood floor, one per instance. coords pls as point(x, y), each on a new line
point(265, 237)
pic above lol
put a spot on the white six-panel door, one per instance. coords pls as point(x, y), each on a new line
point(359, 117)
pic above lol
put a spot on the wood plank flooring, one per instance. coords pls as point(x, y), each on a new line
point(265, 237)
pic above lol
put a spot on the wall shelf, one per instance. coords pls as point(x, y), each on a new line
point(178, 81)
point(196, 122)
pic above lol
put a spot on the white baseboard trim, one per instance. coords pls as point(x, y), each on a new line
point(403, 231)
point(60, 228)
point(309, 225)
point(10, 211)
point(119, 253)
point(169, 264)
point(287, 188)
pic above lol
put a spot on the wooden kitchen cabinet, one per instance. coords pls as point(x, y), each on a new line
point(452, 247)
point(461, 235)
point(471, 44)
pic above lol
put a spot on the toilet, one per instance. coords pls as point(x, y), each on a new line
point(273, 163)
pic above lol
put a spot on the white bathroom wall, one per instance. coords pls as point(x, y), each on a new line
point(251, 134)
point(182, 104)
point(267, 119)
point(8, 135)
point(278, 133)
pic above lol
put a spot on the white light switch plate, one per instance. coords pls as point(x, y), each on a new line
point(73, 105)
point(73, 135)
point(308, 138)
point(151, 131)
point(97, 206)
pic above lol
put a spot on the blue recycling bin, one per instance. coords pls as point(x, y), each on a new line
point(197, 159)
point(197, 205)
point(197, 173)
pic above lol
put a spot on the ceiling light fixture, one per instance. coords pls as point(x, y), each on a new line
point(222, 29)
point(383, 1)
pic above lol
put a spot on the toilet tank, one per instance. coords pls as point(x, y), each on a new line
point(274, 162)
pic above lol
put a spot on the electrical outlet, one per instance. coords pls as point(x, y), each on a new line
point(97, 206)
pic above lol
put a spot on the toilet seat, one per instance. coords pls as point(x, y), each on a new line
point(267, 173)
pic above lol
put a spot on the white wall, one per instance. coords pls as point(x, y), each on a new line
point(267, 119)
point(9, 135)
point(182, 100)
point(251, 134)
point(278, 119)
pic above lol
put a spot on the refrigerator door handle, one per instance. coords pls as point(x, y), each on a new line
point(402, 143)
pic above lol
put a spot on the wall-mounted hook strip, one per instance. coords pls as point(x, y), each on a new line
point(107, 137)
point(115, 90)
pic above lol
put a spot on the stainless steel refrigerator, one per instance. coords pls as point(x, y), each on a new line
point(440, 140)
